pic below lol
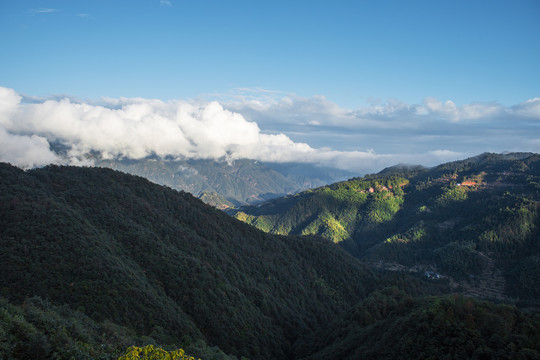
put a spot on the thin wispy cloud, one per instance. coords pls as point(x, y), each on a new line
point(165, 3)
point(43, 11)
point(85, 16)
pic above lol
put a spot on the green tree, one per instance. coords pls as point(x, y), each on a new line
point(149, 352)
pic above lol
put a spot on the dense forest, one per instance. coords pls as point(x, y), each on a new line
point(392, 325)
point(95, 261)
point(467, 219)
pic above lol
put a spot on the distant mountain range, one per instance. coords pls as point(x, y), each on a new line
point(476, 221)
point(94, 260)
point(224, 184)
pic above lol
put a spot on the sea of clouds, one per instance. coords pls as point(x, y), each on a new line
point(136, 128)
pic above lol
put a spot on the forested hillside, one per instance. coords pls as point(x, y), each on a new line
point(94, 261)
point(468, 219)
point(129, 254)
point(392, 325)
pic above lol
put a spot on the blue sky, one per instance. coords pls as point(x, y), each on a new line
point(349, 51)
point(343, 75)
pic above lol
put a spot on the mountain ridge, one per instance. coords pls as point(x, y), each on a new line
point(488, 203)
point(239, 182)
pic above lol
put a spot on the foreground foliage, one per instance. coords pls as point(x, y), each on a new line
point(150, 352)
point(39, 330)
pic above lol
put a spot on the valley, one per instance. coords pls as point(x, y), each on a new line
point(227, 184)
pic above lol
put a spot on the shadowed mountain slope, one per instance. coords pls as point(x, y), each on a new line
point(119, 248)
point(391, 325)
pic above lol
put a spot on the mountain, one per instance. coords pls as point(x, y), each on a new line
point(216, 200)
point(95, 260)
point(400, 168)
point(308, 176)
point(392, 325)
point(476, 221)
point(142, 261)
point(237, 182)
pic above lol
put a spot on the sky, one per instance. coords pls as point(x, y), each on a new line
point(355, 84)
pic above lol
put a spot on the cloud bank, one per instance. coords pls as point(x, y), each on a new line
point(408, 131)
point(136, 128)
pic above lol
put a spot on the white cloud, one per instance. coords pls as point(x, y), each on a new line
point(296, 111)
point(136, 128)
point(297, 129)
point(85, 16)
point(9, 102)
point(165, 3)
point(278, 107)
point(25, 151)
point(446, 155)
point(447, 111)
point(43, 11)
point(450, 112)
point(401, 130)
point(528, 109)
